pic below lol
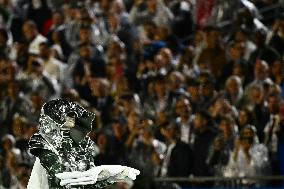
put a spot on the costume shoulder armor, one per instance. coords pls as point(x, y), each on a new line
point(37, 143)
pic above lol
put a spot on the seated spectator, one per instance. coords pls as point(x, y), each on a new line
point(242, 36)
point(249, 158)
point(14, 102)
point(35, 79)
point(51, 65)
point(277, 39)
point(263, 51)
point(234, 90)
point(184, 119)
point(204, 134)
point(32, 37)
point(246, 117)
point(141, 151)
point(179, 158)
point(150, 10)
point(213, 56)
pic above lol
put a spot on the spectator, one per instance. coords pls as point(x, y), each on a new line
point(263, 51)
point(213, 56)
point(32, 36)
point(184, 119)
point(151, 10)
point(178, 160)
point(249, 158)
point(234, 90)
point(51, 65)
point(204, 135)
point(271, 131)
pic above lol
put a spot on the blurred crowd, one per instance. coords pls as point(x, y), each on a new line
point(180, 88)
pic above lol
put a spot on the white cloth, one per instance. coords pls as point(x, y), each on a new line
point(38, 178)
point(34, 45)
point(111, 173)
point(164, 169)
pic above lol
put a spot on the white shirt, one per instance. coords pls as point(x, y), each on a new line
point(34, 45)
point(164, 169)
point(55, 69)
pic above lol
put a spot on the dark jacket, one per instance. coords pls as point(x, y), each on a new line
point(201, 145)
point(181, 160)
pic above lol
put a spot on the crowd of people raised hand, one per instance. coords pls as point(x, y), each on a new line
point(180, 88)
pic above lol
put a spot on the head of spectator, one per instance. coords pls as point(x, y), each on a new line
point(99, 87)
point(133, 120)
point(183, 108)
point(102, 141)
point(176, 80)
point(244, 17)
point(163, 33)
point(86, 52)
point(161, 118)
point(44, 51)
point(128, 103)
point(150, 30)
point(37, 100)
point(187, 57)
point(167, 55)
point(237, 51)
point(18, 125)
point(118, 7)
point(193, 89)
point(275, 89)
point(246, 117)
point(199, 38)
point(222, 107)
point(113, 21)
point(260, 37)
point(152, 5)
point(119, 128)
point(147, 131)
point(274, 103)
point(8, 142)
point(248, 137)
point(7, 71)
point(256, 94)
point(202, 121)
point(241, 69)
point(85, 35)
point(35, 67)
point(160, 86)
point(57, 37)
point(115, 48)
point(207, 87)
point(29, 30)
point(234, 89)
point(276, 71)
point(261, 70)
point(227, 127)
point(106, 5)
point(212, 37)
point(241, 35)
point(82, 16)
point(171, 132)
point(57, 19)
